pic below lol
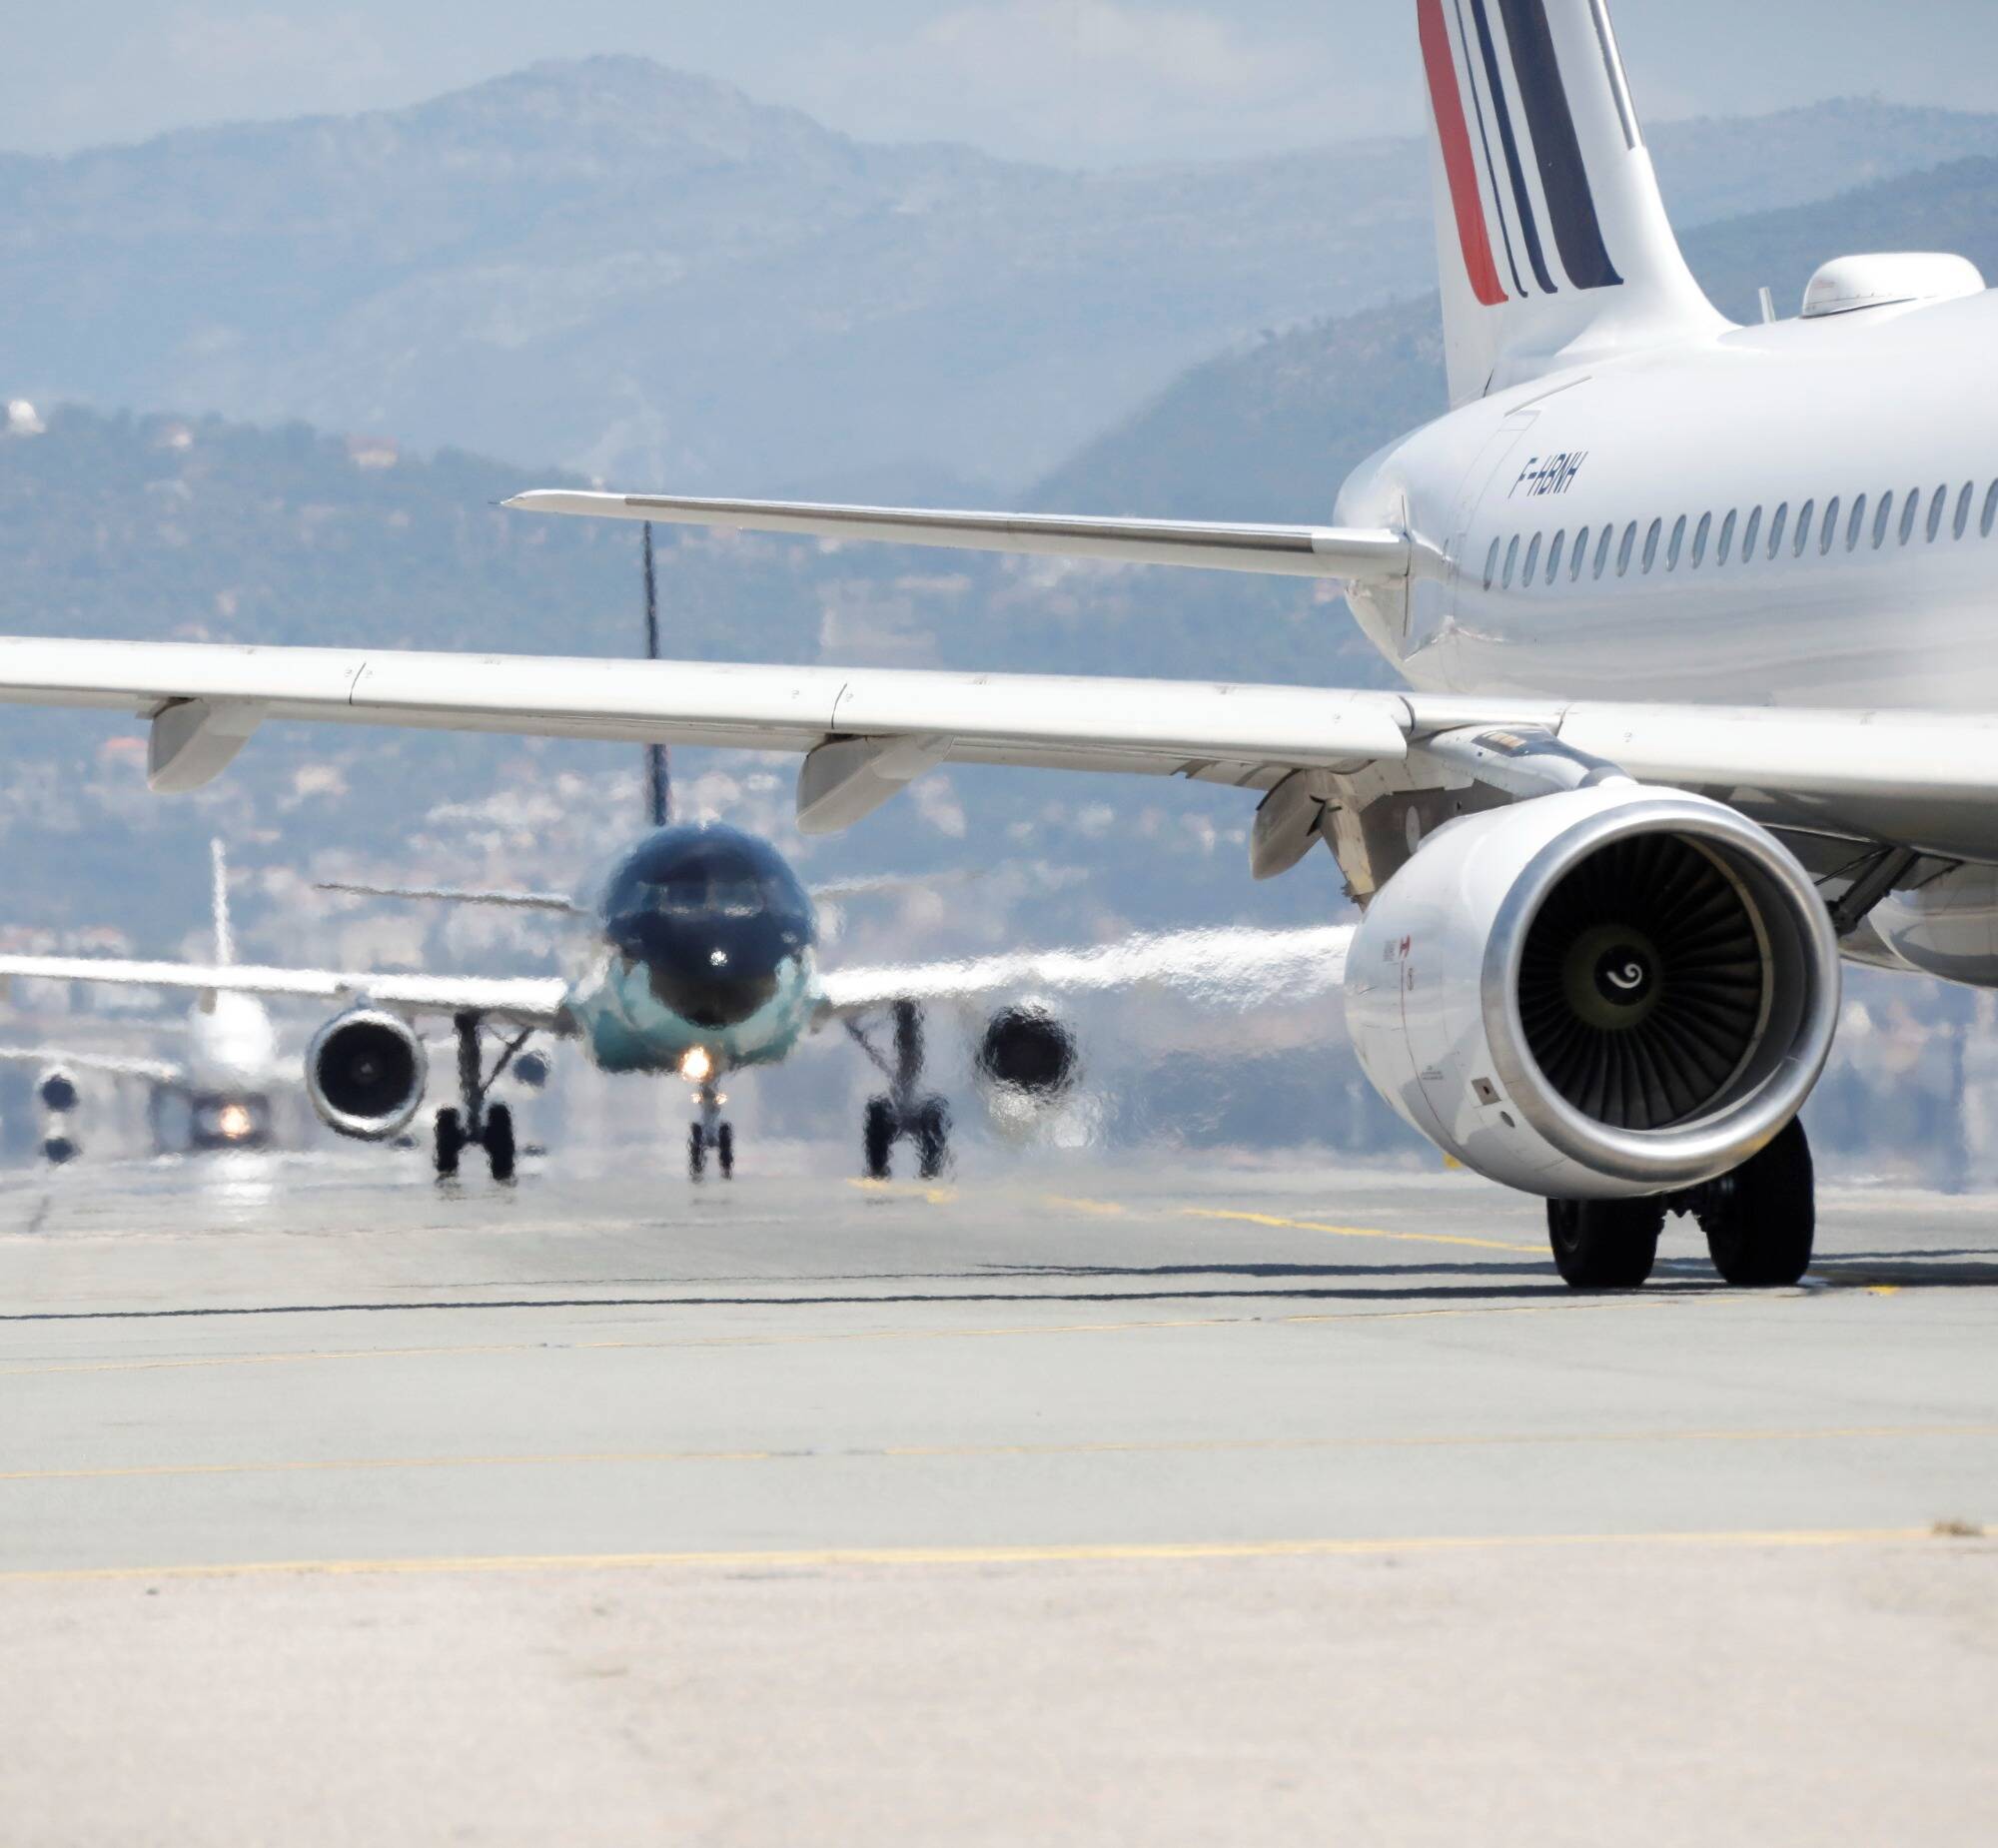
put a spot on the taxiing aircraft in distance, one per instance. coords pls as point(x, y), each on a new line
point(1696, 622)
point(698, 957)
point(218, 1095)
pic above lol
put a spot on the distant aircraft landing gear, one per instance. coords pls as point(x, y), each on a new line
point(475, 1123)
point(1760, 1223)
point(925, 1121)
point(710, 1134)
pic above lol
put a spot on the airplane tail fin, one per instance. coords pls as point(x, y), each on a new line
point(225, 937)
point(1552, 234)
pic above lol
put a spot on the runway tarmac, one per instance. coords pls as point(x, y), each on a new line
point(1183, 1503)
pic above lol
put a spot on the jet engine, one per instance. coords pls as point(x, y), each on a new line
point(365, 1073)
point(1028, 1052)
point(56, 1091)
point(1604, 994)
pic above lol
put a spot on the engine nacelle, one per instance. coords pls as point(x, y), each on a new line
point(366, 1071)
point(1946, 927)
point(1028, 1052)
point(58, 1093)
point(1603, 994)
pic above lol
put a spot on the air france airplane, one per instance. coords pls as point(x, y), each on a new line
point(1695, 621)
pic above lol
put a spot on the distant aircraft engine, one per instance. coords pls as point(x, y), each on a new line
point(365, 1073)
point(1605, 994)
point(58, 1092)
point(1028, 1050)
point(531, 1069)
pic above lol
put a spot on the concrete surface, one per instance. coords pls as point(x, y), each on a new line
point(1191, 1504)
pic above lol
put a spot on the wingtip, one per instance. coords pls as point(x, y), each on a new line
point(563, 501)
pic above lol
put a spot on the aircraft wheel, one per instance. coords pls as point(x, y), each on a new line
point(499, 1151)
point(878, 1136)
point(724, 1149)
point(1604, 1244)
point(1761, 1221)
point(59, 1150)
point(449, 1144)
point(697, 1153)
point(933, 1138)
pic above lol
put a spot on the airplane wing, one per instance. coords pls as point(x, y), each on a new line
point(155, 1071)
point(450, 895)
point(1290, 551)
point(531, 1001)
point(876, 885)
point(1925, 781)
point(1235, 967)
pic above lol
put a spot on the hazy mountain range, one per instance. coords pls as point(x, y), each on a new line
point(1269, 432)
point(646, 275)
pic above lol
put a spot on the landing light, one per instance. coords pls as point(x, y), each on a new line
point(235, 1123)
point(697, 1066)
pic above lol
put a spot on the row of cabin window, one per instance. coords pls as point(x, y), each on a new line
point(1807, 527)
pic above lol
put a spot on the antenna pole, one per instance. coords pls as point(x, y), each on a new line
point(658, 777)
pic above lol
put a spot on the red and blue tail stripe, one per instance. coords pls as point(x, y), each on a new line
point(1536, 140)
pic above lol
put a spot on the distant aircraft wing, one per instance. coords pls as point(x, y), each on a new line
point(1290, 551)
point(880, 885)
point(531, 1001)
point(1925, 781)
point(452, 895)
point(154, 1071)
point(1235, 967)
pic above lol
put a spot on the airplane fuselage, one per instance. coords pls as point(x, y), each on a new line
point(1803, 513)
point(1796, 515)
point(703, 944)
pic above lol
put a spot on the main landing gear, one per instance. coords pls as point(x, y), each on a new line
point(710, 1136)
point(905, 1112)
point(475, 1122)
point(1760, 1223)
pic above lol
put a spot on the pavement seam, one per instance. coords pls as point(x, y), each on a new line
point(1244, 1447)
point(1557, 1307)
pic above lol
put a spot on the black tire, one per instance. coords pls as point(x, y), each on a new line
point(1604, 1244)
point(697, 1153)
point(449, 1142)
point(499, 1151)
point(724, 1149)
point(60, 1150)
point(933, 1138)
point(877, 1137)
point(1761, 1221)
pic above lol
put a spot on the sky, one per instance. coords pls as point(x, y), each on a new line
point(1075, 82)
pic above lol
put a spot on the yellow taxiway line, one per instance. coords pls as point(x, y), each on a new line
point(1358, 1231)
point(825, 1559)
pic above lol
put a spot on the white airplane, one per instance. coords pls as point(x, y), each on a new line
point(216, 1097)
point(1696, 622)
